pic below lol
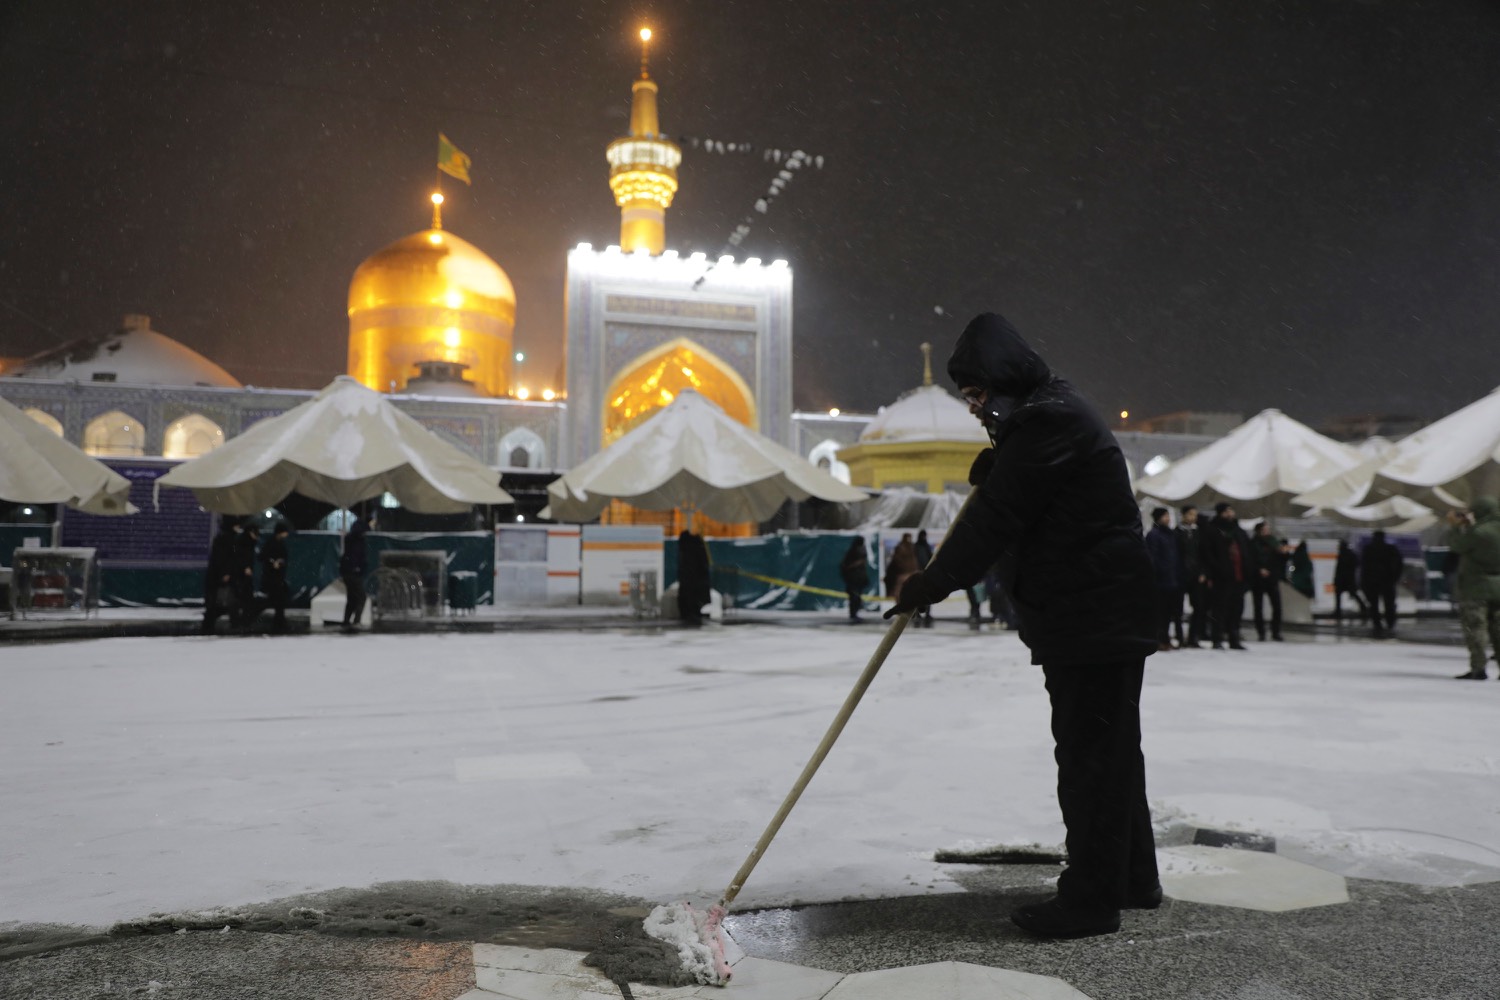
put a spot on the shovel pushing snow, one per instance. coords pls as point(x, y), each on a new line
point(698, 935)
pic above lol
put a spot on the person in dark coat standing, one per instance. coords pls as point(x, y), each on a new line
point(922, 550)
point(693, 589)
point(1346, 581)
point(854, 568)
point(1166, 564)
point(353, 565)
point(1053, 504)
point(1268, 556)
point(1380, 567)
point(1228, 564)
point(1194, 583)
point(273, 575)
point(218, 590)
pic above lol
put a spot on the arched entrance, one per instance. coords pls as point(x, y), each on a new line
point(651, 381)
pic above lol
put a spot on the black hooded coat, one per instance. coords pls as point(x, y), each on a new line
point(1055, 510)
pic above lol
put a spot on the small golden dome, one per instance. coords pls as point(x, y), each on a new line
point(431, 296)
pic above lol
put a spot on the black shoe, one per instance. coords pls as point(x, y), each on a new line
point(1472, 675)
point(1277, 638)
point(1238, 645)
point(1149, 899)
point(1053, 918)
point(1218, 645)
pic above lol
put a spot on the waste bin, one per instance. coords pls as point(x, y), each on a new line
point(463, 591)
point(644, 599)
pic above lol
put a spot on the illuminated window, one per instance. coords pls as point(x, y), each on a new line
point(191, 436)
point(46, 419)
point(115, 433)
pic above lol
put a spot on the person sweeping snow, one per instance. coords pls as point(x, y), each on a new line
point(1053, 506)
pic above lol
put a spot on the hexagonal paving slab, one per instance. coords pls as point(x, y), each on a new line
point(1251, 880)
point(952, 981)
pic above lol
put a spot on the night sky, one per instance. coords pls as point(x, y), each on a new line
point(1221, 205)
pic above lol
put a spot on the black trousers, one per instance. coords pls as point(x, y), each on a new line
point(1101, 782)
point(1382, 602)
point(1168, 613)
point(354, 598)
point(856, 601)
point(1228, 601)
point(1197, 594)
point(1270, 592)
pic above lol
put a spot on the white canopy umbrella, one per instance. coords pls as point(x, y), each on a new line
point(691, 454)
point(347, 444)
point(1261, 467)
point(1444, 465)
point(37, 466)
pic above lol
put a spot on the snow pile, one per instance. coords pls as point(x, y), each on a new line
point(696, 937)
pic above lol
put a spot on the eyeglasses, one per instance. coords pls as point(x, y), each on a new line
point(973, 396)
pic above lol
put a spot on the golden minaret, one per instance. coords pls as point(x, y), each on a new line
point(643, 168)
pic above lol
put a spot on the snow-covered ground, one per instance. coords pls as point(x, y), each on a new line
point(143, 775)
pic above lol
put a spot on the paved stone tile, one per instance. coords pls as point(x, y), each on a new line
point(1252, 880)
point(952, 981)
point(763, 979)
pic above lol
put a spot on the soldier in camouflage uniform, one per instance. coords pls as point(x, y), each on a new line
point(1475, 539)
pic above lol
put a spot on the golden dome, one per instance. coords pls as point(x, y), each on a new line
point(431, 296)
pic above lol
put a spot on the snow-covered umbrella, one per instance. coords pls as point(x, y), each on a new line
point(1444, 465)
point(346, 444)
point(1261, 467)
point(691, 454)
point(37, 466)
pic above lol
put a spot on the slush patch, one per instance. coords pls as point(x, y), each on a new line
point(1235, 839)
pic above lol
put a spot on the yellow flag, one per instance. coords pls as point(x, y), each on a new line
point(451, 160)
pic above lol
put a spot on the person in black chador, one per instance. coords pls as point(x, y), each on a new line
point(1380, 566)
point(1268, 555)
point(352, 568)
point(1346, 581)
point(218, 591)
point(273, 575)
point(1227, 563)
point(242, 576)
point(1053, 505)
point(854, 568)
point(692, 578)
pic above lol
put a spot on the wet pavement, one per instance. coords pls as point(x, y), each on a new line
point(1387, 941)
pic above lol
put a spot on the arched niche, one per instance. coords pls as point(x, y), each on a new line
point(46, 419)
point(653, 379)
point(115, 434)
point(522, 448)
point(191, 436)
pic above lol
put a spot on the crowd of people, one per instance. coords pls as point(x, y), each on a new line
point(229, 582)
point(1205, 571)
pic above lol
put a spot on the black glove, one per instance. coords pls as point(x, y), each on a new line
point(980, 470)
point(916, 592)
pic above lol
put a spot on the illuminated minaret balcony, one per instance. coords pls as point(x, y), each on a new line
point(643, 169)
